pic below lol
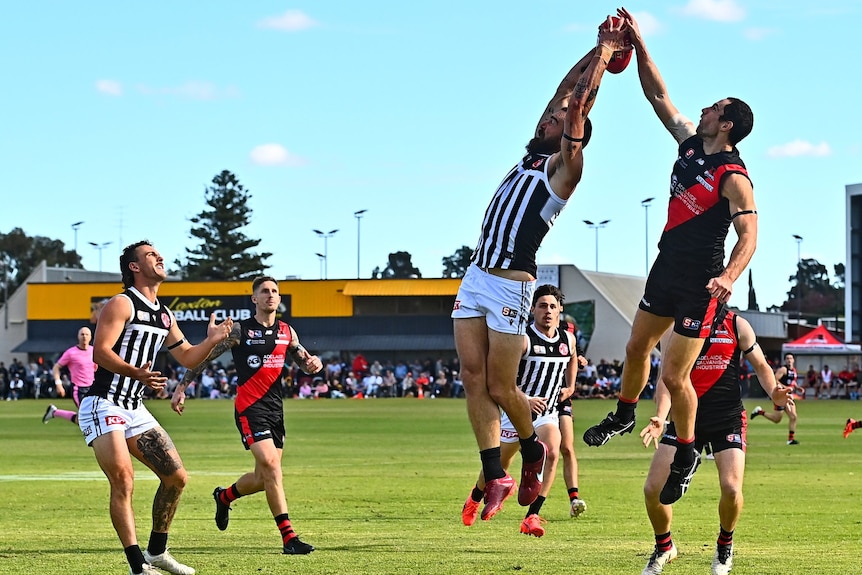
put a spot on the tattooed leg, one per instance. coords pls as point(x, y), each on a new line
point(156, 450)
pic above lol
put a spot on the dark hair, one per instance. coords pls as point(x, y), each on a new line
point(742, 117)
point(260, 279)
point(548, 289)
point(128, 256)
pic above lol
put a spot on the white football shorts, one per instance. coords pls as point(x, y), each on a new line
point(98, 416)
point(504, 303)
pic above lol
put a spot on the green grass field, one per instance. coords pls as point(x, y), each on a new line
point(377, 486)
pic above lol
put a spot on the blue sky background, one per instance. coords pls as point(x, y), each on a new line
point(119, 114)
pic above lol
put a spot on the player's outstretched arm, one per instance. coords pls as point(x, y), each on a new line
point(568, 164)
point(653, 85)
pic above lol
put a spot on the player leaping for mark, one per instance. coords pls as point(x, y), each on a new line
point(710, 190)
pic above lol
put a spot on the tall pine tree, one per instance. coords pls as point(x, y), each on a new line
point(223, 253)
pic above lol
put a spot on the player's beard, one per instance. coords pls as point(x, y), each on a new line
point(544, 146)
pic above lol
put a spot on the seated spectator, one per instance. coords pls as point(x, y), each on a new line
point(457, 385)
point(321, 389)
point(422, 383)
point(824, 389)
point(370, 384)
point(387, 384)
point(305, 391)
point(408, 386)
point(16, 388)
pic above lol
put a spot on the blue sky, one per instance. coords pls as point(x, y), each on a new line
point(120, 114)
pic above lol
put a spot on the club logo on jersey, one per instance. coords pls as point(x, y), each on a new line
point(256, 333)
point(538, 350)
point(689, 323)
point(114, 420)
point(564, 349)
point(700, 161)
point(457, 305)
point(689, 153)
point(538, 162)
point(166, 319)
point(253, 361)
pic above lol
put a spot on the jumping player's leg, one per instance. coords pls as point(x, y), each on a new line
point(647, 329)
point(471, 343)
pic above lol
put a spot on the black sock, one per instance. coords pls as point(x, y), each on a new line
point(724, 537)
point(684, 456)
point(530, 449)
point(75, 418)
point(492, 468)
point(626, 410)
point(573, 493)
point(158, 543)
point(536, 506)
point(477, 494)
point(135, 557)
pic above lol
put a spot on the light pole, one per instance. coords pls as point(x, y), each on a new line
point(325, 237)
point(322, 258)
point(798, 239)
point(645, 203)
point(75, 227)
point(358, 216)
point(596, 227)
point(100, 247)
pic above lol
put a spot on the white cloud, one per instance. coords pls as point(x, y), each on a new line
point(290, 21)
point(192, 90)
point(718, 10)
point(274, 155)
point(758, 33)
point(799, 148)
point(109, 87)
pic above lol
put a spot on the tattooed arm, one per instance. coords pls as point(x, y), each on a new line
point(567, 165)
point(179, 397)
point(310, 364)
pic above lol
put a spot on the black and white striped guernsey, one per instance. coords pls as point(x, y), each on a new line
point(140, 340)
point(542, 371)
point(519, 216)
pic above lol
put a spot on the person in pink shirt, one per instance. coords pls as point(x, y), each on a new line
point(78, 359)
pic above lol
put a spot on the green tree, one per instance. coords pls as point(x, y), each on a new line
point(812, 293)
point(224, 251)
point(20, 254)
point(400, 267)
point(455, 266)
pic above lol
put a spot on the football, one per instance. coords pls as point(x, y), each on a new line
point(621, 58)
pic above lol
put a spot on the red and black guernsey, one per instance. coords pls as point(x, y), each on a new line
point(259, 359)
point(698, 216)
point(715, 378)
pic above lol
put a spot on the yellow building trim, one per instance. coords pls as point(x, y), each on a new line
point(65, 301)
point(402, 287)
